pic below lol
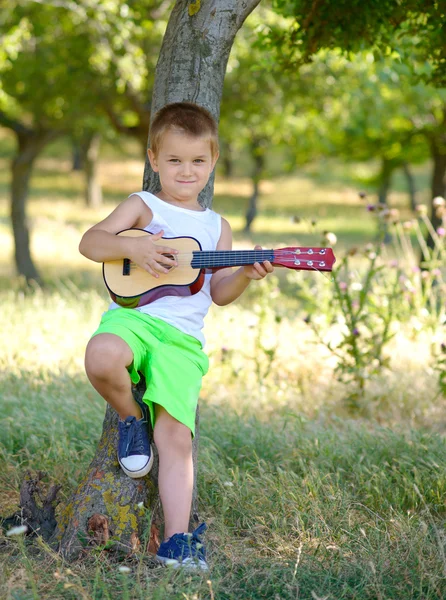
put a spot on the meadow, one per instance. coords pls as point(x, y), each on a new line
point(322, 436)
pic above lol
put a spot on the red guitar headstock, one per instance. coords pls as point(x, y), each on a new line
point(305, 259)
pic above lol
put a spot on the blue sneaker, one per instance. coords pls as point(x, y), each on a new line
point(184, 550)
point(134, 452)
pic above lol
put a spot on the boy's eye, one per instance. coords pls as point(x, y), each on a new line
point(199, 160)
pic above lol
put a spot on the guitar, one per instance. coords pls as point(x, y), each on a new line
point(130, 286)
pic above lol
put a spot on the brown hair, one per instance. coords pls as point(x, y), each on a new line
point(187, 117)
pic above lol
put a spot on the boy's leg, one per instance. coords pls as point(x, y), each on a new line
point(176, 475)
point(106, 360)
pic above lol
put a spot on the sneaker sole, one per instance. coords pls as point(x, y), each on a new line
point(141, 472)
point(188, 563)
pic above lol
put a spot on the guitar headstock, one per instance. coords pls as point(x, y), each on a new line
point(305, 259)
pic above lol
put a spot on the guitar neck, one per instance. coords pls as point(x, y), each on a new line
point(229, 258)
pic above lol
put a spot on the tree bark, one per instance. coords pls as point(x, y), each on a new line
point(30, 144)
point(106, 507)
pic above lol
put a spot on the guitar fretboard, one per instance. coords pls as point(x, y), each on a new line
point(229, 258)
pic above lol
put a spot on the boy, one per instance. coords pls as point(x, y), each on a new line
point(164, 339)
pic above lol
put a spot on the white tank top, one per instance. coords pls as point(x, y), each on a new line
point(186, 313)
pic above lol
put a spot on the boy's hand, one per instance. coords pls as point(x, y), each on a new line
point(258, 270)
point(152, 257)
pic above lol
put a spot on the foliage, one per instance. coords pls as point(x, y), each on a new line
point(65, 65)
point(310, 25)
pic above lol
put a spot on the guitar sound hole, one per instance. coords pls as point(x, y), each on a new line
point(168, 267)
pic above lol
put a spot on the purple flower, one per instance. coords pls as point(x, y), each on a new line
point(371, 207)
point(441, 231)
point(343, 286)
point(355, 331)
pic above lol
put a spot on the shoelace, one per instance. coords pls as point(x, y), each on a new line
point(133, 436)
point(192, 541)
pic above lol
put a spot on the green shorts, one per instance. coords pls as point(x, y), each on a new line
point(171, 361)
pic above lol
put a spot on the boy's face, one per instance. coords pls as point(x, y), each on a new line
point(184, 164)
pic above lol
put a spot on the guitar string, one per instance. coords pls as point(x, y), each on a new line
point(214, 258)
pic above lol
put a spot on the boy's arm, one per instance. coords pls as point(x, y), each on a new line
point(227, 285)
point(100, 243)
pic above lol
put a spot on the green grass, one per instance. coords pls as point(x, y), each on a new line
point(303, 499)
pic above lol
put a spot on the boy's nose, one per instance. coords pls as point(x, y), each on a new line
point(187, 169)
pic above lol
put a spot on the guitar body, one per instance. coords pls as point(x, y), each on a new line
point(130, 286)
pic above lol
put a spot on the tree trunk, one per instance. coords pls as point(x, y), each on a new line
point(226, 152)
point(257, 154)
point(191, 67)
point(89, 160)
point(410, 186)
point(385, 178)
point(438, 181)
point(30, 144)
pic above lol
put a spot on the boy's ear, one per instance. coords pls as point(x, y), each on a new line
point(152, 159)
point(214, 160)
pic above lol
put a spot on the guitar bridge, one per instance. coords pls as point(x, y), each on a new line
point(126, 266)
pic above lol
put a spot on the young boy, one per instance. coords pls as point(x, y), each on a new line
point(164, 339)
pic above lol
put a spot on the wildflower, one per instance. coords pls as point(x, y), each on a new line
point(371, 207)
point(408, 225)
point(441, 231)
point(123, 569)
point(443, 347)
point(393, 264)
point(330, 238)
point(355, 332)
point(392, 215)
point(440, 212)
point(421, 209)
point(295, 219)
point(19, 530)
point(438, 201)
point(343, 286)
point(356, 286)
point(362, 195)
point(353, 251)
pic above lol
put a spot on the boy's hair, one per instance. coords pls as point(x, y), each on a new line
point(187, 117)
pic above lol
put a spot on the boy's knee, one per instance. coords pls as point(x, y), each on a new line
point(105, 353)
point(170, 433)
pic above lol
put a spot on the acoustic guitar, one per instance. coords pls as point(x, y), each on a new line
point(130, 286)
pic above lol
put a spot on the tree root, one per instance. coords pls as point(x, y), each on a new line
point(37, 511)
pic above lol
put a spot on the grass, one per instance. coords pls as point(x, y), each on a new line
point(302, 498)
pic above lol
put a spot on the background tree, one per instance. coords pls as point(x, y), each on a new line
point(64, 68)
